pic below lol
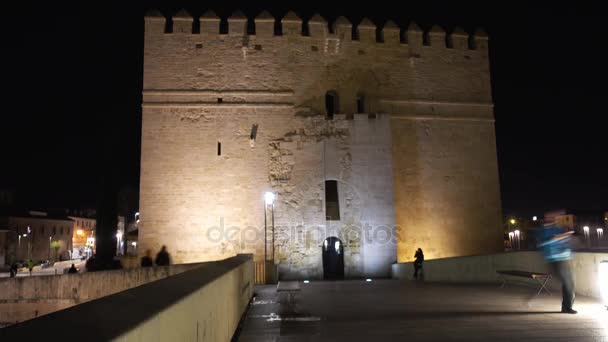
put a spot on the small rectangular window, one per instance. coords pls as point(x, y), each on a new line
point(254, 132)
point(332, 204)
point(219, 148)
point(220, 100)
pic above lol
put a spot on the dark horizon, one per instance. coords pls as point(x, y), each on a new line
point(75, 79)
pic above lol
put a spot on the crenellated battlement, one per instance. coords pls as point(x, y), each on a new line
point(291, 24)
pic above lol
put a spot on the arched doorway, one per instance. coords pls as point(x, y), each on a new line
point(333, 258)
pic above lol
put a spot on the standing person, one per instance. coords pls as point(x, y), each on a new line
point(73, 269)
point(418, 262)
point(162, 258)
point(555, 245)
point(30, 266)
point(14, 270)
point(146, 260)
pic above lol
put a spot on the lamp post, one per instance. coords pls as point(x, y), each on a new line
point(118, 237)
point(268, 200)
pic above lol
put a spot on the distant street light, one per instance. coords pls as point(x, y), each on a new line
point(534, 218)
point(512, 221)
point(586, 233)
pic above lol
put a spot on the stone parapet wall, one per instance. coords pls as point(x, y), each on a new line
point(482, 269)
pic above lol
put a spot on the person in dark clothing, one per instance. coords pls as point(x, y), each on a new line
point(162, 258)
point(73, 269)
point(146, 260)
point(418, 262)
point(14, 269)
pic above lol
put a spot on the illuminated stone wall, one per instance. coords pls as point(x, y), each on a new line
point(427, 118)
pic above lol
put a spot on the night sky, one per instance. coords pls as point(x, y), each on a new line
point(72, 81)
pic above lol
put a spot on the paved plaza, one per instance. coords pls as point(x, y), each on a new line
point(391, 310)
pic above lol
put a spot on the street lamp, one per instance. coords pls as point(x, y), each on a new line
point(118, 237)
point(268, 200)
point(534, 218)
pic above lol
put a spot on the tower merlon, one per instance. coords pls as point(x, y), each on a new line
point(414, 35)
point(264, 24)
point(343, 28)
point(367, 31)
point(237, 24)
point(317, 26)
point(182, 22)
point(391, 33)
point(459, 38)
point(154, 22)
point(437, 37)
point(480, 39)
point(292, 24)
point(210, 23)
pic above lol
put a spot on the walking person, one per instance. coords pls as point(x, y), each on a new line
point(418, 262)
point(146, 260)
point(163, 258)
point(555, 245)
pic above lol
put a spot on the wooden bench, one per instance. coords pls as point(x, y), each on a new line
point(541, 278)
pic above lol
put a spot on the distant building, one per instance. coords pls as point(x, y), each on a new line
point(83, 236)
point(33, 235)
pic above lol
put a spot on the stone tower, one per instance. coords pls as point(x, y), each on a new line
point(383, 140)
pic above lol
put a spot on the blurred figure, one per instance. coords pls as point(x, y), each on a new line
point(73, 269)
point(418, 262)
point(162, 258)
point(555, 245)
point(14, 269)
point(91, 264)
point(146, 260)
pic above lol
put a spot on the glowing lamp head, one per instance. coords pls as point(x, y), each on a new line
point(534, 218)
point(368, 280)
point(306, 281)
point(512, 221)
point(269, 198)
point(80, 232)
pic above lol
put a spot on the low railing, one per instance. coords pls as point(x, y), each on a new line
point(204, 303)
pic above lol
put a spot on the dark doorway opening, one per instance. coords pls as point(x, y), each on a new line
point(331, 104)
point(333, 258)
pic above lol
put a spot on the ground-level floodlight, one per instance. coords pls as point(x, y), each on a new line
point(603, 281)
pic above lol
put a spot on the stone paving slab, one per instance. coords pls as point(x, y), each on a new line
point(392, 310)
